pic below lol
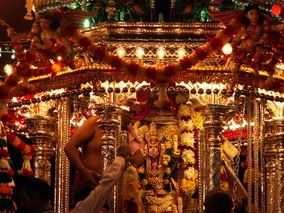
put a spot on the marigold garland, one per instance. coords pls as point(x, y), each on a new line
point(153, 73)
point(26, 151)
point(6, 173)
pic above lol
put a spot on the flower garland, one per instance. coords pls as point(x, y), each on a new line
point(159, 73)
point(131, 191)
point(7, 205)
point(26, 151)
point(67, 36)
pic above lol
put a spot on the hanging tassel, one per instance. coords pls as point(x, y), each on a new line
point(26, 167)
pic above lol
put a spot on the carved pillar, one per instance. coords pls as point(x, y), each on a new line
point(274, 165)
point(109, 124)
point(43, 135)
point(62, 167)
point(213, 126)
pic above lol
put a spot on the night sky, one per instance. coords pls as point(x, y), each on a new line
point(12, 12)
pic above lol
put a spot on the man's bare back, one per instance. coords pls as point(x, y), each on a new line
point(91, 152)
point(89, 162)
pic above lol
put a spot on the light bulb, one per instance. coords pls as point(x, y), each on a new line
point(8, 69)
point(139, 52)
point(227, 49)
point(181, 53)
point(161, 52)
point(120, 52)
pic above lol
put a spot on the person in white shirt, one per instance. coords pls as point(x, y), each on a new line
point(96, 200)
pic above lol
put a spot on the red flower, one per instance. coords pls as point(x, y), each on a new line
point(215, 43)
point(229, 31)
point(13, 79)
point(185, 62)
point(85, 42)
point(99, 52)
point(201, 53)
point(151, 73)
point(11, 138)
point(11, 172)
point(27, 172)
point(170, 70)
point(133, 68)
point(115, 62)
point(4, 153)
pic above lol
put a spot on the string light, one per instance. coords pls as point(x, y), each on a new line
point(13, 56)
point(227, 49)
point(181, 53)
point(8, 69)
point(139, 52)
point(121, 52)
point(161, 52)
point(87, 23)
point(59, 58)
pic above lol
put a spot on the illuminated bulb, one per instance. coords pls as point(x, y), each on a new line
point(121, 52)
point(13, 56)
point(139, 52)
point(161, 52)
point(56, 67)
point(87, 23)
point(181, 53)
point(8, 69)
point(59, 58)
point(227, 49)
point(276, 10)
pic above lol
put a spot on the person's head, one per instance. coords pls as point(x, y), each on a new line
point(128, 112)
point(135, 159)
point(218, 202)
point(31, 194)
point(252, 13)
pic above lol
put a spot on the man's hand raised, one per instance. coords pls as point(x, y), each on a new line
point(91, 177)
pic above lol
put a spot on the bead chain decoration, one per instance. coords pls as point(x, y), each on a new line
point(201, 167)
point(61, 199)
point(256, 154)
point(261, 158)
point(237, 162)
point(249, 153)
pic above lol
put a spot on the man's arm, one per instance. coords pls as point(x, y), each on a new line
point(97, 198)
point(83, 135)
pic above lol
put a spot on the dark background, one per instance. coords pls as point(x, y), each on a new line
point(12, 12)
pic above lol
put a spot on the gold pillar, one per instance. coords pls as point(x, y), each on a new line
point(62, 167)
point(43, 135)
point(109, 124)
point(213, 126)
point(274, 165)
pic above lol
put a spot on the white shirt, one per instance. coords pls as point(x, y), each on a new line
point(97, 198)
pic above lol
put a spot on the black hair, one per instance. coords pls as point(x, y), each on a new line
point(32, 185)
point(218, 202)
point(251, 7)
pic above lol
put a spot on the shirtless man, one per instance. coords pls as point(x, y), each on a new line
point(89, 163)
